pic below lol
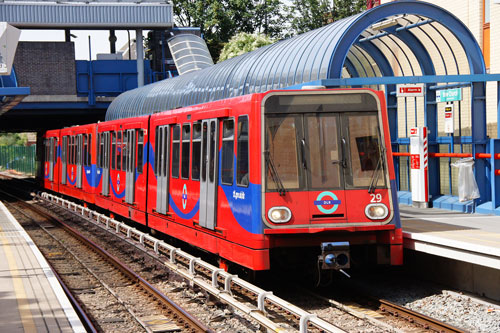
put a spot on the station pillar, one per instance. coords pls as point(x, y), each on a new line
point(419, 157)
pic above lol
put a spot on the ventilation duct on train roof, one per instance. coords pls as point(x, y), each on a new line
point(190, 53)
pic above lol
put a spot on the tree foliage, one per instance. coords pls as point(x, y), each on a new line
point(13, 139)
point(307, 15)
point(242, 43)
point(220, 20)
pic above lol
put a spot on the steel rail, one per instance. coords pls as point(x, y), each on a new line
point(174, 254)
point(419, 318)
point(167, 302)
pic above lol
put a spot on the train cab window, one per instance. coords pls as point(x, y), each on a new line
point(324, 159)
point(195, 160)
point(281, 151)
point(186, 136)
point(364, 151)
point(113, 150)
point(119, 150)
point(227, 152)
point(242, 176)
point(176, 150)
point(140, 150)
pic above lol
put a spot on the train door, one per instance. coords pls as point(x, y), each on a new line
point(162, 164)
point(79, 160)
point(64, 153)
point(129, 164)
point(105, 137)
point(209, 172)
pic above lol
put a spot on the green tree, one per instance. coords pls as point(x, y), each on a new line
point(13, 139)
point(220, 20)
point(306, 15)
point(242, 43)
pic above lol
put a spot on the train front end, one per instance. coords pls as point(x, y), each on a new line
point(328, 180)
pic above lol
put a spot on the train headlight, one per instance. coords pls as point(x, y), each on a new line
point(376, 211)
point(279, 214)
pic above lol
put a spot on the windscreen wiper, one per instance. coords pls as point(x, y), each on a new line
point(274, 174)
point(376, 172)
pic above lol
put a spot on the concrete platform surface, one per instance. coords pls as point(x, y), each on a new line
point(31, 298)
point(472, 238)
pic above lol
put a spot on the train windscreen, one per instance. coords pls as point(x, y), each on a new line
point(327, 143)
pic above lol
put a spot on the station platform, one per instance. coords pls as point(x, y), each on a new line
point(31, 298)
point(472, 238)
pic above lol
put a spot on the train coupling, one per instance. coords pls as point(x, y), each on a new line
point(335, 255)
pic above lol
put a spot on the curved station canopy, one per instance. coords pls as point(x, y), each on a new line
point(402, 38)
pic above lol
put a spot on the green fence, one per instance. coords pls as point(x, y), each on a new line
point(20, 158)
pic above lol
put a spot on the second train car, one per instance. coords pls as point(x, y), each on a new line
point(256, 179)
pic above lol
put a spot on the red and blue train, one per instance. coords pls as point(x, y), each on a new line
point(256, 180)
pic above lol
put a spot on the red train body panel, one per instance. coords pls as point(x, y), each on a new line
point(245, 176)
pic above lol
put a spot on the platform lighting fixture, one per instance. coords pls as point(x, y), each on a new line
point(385, 24)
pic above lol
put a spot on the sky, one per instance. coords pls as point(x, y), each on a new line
point(99, 40)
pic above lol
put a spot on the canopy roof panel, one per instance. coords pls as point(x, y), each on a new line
point(403, 38)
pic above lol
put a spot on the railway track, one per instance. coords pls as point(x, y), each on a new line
point(115, 297)
point(256, 303)
point(263, 307)
point(386, 315)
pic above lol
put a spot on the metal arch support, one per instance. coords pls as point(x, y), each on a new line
point(351, 68)
point(469, 43)
point(479, 139)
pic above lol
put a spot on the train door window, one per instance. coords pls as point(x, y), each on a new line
point(85, 149)
point(364, 154)
point(158, 133)
point(165, 145)
point(323, 157)
point(211, 166)
point(186, 137)
point(204, 154)
point(242, 176)
point(113, 150)
point(119, 150)
point(227, 152)
point(140, 150)
point(89, 148)
point(175, 150)
point(73, 153)
point(98, 157)
point(70, 150)
point(195, 164)
point(125, 166)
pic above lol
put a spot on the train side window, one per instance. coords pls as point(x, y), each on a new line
point(186, 136)
point(113, 151)
point(45, 149)
point(242, 175)
point(140, 150)
point(195, 166)
point(119, 150)
point(227, 152)
point(175, 150)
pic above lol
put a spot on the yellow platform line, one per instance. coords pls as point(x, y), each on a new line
point(22, 299)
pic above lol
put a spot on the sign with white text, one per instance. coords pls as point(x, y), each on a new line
point(410, 90)
point(449, 95)
point(448, 118)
